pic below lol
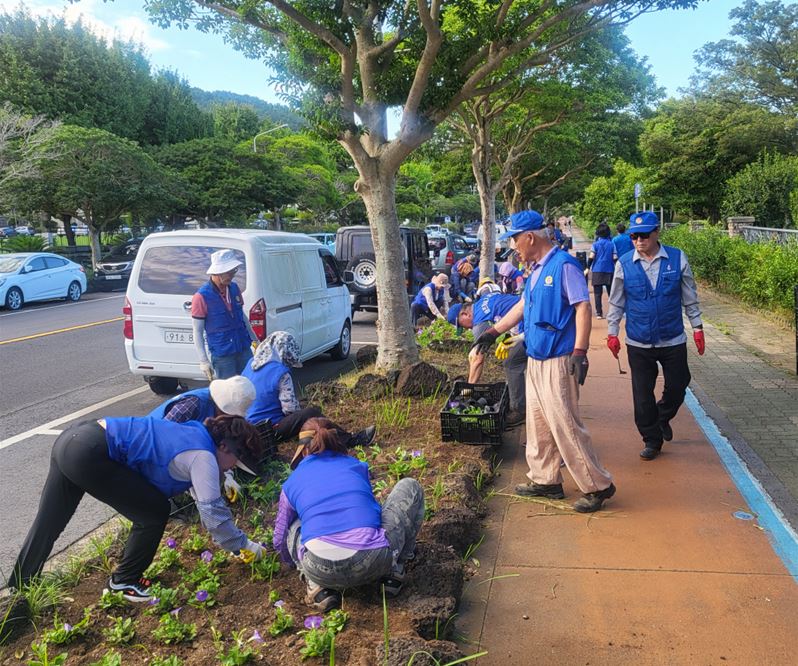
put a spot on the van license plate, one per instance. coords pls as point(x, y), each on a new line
point(113, 277)
point(184, 337)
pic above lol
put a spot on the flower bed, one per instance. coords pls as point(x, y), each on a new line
point(211, 608)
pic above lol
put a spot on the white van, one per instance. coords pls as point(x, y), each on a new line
point(289, 283)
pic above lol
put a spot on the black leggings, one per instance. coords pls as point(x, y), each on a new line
point(597, 296)
point(79, 463)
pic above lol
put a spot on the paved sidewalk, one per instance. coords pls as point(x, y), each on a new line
point(667, 573)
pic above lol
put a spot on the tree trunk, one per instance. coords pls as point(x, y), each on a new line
point(276, 224)
point(397, 343)
point(70, 236)
point(94, 242)
point(481, 158)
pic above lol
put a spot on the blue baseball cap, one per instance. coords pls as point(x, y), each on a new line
point(526, 220)
point(453, 314)
point(643, 222)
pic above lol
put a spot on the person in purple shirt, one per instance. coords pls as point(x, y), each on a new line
point(330, 526)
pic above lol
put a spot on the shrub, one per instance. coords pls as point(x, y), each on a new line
point(23, 244)
point(762, 274)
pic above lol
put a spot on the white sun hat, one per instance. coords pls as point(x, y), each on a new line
point(223, 261)
point(233, 395)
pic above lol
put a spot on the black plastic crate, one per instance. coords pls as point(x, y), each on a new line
point(475, 428)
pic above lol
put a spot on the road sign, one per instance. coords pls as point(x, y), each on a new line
point(638, 190)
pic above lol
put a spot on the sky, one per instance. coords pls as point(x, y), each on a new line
point(667, 39)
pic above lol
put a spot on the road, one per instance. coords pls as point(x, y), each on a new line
point(65, 362)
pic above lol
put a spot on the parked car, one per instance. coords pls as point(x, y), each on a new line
point(434, 229)
point(354, 253)
point(289, 283)
point(113, 271)
point(327, 239)
point(24, 230)
point(445, 250)
point(39, 276)
point(7, 232)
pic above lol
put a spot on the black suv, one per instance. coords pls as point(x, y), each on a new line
point(354, 253)
point(113, 271)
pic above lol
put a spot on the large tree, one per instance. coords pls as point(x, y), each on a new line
point(760, 64)
point(95, 176)
point(351, 61)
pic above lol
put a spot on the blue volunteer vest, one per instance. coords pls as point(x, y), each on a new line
point(602, 262)
point(225, 329)
point(623, 244)
point(493, 306)
point(549, 319)
point(267, 391)
point(147, 445)
point(207, 408)
point(653, 313)
point(437, 296)
point(331, 493)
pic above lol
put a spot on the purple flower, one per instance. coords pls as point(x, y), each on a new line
point(176, 611)
point(313, 621)
point(256, 637)
point(206, 556)
point(202, 595)
point(171, 543)
point(154, 601)
point(454, 404)
point(67, 627)
point(279, 603)
point(417, 453)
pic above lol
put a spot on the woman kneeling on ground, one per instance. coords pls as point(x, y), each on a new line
point(135, 465)
point(330, 526)
point(275, 397)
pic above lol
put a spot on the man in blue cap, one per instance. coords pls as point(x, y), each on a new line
point(651, 286)
point(479, 316)
point(555, 308)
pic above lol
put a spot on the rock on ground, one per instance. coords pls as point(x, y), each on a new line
point(420, 379)
point(366, 355)
point(401, 649)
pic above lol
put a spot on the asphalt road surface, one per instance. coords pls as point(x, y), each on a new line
point(62, 363)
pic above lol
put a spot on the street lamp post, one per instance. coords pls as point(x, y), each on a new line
point(268, 131)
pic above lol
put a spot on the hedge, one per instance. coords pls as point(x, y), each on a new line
point(762, 274)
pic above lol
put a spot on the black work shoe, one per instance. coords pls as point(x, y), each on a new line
point(363, 438)
point(514, 419)
point(667, 431)
point(393, 584)
point(649, 453)
point(323, 599)
point(551, 491)
point(591, 502)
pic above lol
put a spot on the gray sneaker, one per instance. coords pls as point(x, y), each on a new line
point(550, 491)
point(591, 502)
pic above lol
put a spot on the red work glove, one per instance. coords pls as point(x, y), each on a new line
point(614, 345)
point(700, 344)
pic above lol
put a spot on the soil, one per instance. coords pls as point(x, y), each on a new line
point(418, 619)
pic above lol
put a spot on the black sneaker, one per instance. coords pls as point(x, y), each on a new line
point(550, 491)
point(393, 584)
point(135, 592)
point(591, 502)
point(514, 419)
point(363, 438)
point(667, 431)
point(323, 599)
point(649, 453)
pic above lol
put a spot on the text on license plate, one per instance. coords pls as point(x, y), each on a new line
point(184, 337)
point(113, 277)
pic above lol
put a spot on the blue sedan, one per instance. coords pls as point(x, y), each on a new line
point(39, 276)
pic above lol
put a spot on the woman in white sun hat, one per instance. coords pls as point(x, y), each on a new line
point(217, 310)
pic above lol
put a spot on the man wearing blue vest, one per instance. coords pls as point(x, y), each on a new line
point(651, 286)
point(479, 317)
point(217, 311)
point(555, 308)
point(621, 241)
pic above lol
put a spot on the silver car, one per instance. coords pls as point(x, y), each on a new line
point(39, 276)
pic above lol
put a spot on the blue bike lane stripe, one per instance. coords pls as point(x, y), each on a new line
point(782, 537)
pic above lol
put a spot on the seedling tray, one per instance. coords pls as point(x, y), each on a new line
point(475, 428)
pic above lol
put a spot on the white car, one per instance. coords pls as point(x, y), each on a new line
point(39, 276)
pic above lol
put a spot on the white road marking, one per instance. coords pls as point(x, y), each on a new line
point(61, 305)
point(48, 427)
point(49, 432)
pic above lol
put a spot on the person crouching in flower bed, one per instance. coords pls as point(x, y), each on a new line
point(135, 464)
point(330, 526)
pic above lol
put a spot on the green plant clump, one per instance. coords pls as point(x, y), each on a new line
point(42, 658)
point(121, 631)
point(171, 660)
point(110, 600)
point(440, 330)
point(64, 633)
point(171, 630)
point(110, 658)
point(282, 623)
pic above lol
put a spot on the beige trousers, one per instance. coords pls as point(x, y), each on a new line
point(554, 430)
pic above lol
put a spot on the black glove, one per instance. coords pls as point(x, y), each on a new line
point(485, 341)
point(579, 365)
